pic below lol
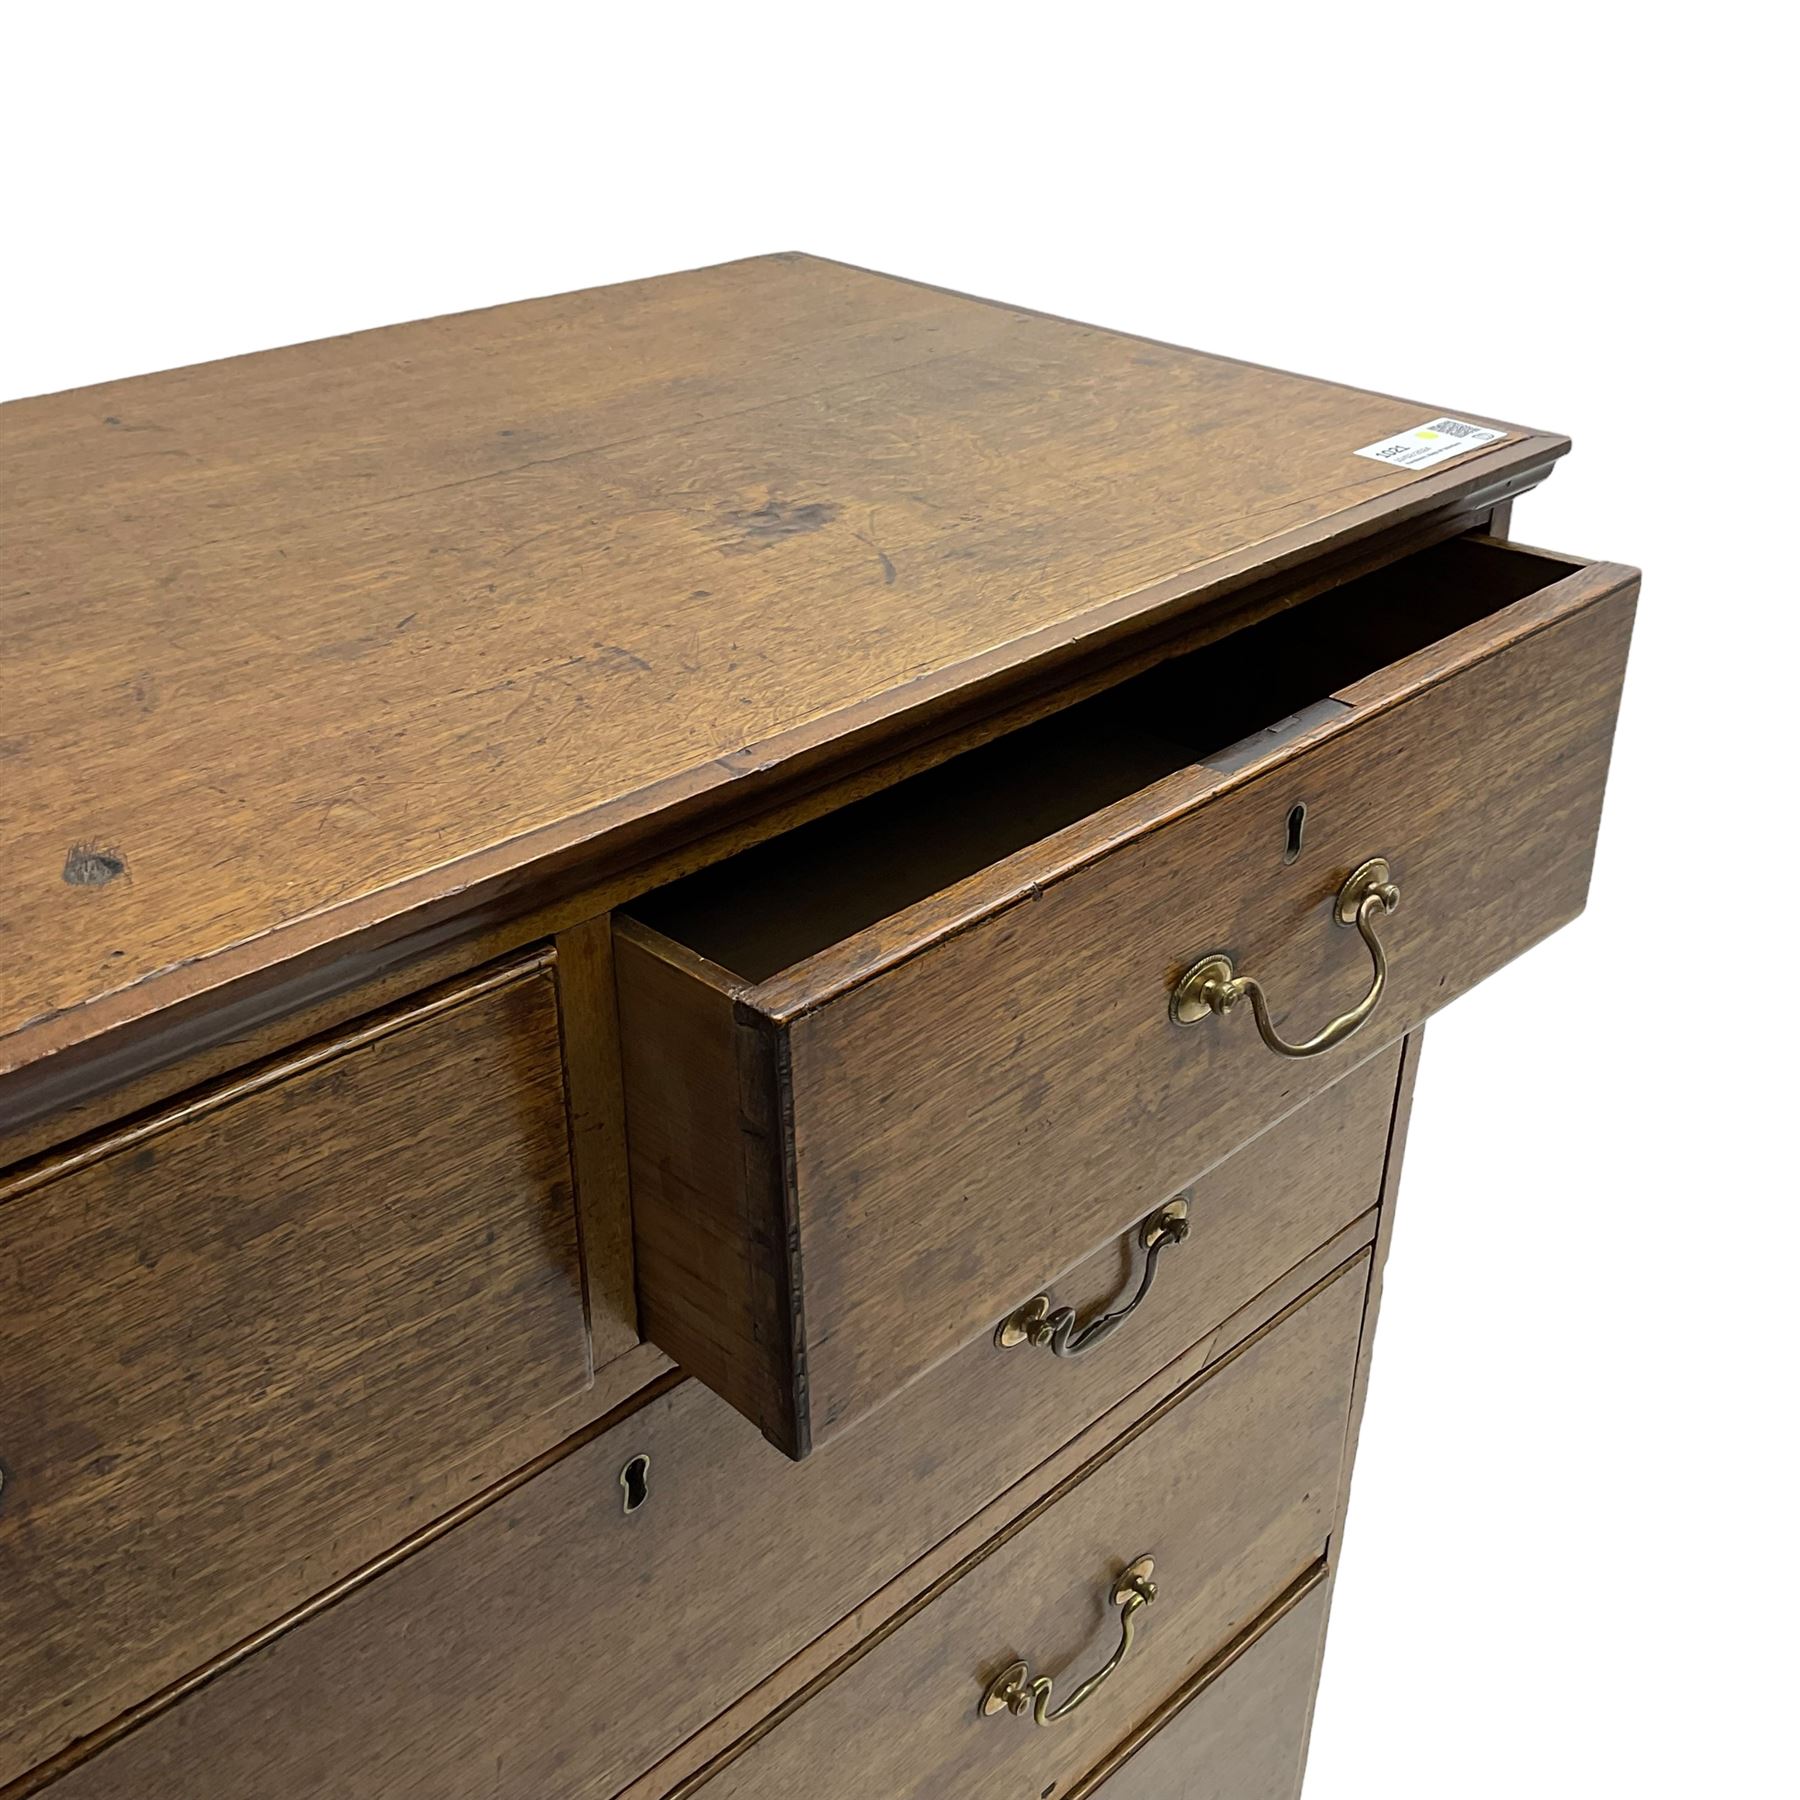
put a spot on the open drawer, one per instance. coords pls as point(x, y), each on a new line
point(891, 1072)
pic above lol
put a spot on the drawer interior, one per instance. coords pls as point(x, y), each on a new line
point(770, 907)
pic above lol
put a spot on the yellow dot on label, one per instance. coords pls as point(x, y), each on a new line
point(1428, 434)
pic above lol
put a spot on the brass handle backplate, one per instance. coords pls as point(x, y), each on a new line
point(1057, 1330)
point(1212, 985)
point(1017, 1691)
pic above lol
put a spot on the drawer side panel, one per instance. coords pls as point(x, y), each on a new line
point(707, 1154)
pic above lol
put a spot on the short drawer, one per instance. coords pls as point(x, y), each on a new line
point(924, 1054)
point(580, 1628)
point(1239, 1730)
point(1228, 1491)
point(248, 1343)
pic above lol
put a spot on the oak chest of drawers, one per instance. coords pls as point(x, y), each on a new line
point(708, 996)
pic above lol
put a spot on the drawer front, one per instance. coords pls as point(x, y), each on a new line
point(1231, 1492)
point(840, 1170)
point(261, 1339)
point(573, 1644)
point(1241, 1734)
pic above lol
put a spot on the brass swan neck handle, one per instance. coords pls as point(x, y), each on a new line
point(1213, 987)
point(1017, 1691)
point(1059, 1331)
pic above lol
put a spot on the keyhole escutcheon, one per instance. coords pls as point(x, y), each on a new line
point(634, 1478)
point(1296, 833)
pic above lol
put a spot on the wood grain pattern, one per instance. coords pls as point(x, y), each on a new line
point(246, 1350)
point(554, 1637)
point(922, 1085)
point(1231, 1488)
point(386, 623)
point(1241, 1736)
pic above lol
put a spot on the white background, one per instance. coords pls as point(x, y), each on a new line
point(1569, 1570)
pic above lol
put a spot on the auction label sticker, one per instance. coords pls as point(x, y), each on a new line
point(1435, 442)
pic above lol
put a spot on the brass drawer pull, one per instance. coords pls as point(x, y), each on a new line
point(1211, 985)
point(1035, 1323)
point(1015, 1689)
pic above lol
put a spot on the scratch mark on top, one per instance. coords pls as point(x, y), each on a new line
point(351, 649)
point(617, 656)
point(886, 561)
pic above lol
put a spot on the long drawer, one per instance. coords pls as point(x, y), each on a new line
point(927, 1053)
point(565, 1637)
point(249, 1342)
point(1051, 1645)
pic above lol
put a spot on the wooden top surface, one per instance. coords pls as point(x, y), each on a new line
point(299, 642)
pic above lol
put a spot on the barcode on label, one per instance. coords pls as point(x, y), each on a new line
point(1435, 441)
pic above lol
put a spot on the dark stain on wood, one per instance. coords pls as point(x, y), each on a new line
point(89, 866)
point(617, 656)
point(777, 520)
point(354, 648)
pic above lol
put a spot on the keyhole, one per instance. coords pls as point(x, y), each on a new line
point(634, 1478)
point(1296, 832)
